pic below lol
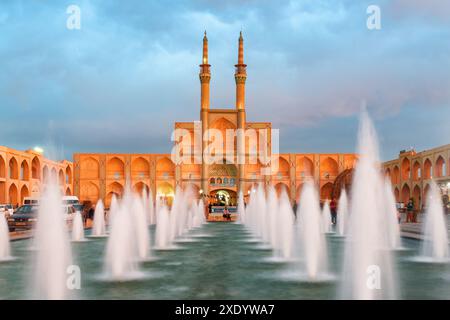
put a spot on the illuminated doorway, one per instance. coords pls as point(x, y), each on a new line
point(223, 197)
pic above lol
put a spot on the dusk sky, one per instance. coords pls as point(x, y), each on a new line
point(120, 82)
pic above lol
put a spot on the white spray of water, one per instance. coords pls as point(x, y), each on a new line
point(128, 241)
point(53, 254)
point(162, 236)
point(312, 238)
point(326, 218)
point(120, 259)
point(342, 213)
point(5, 248)
point(77, 227)
point(151, 209)
point(140, 228)
point(113, 209)
point(435, 245)
point(241, 209)
point(176, 214)
point(201, 211)
point(272, 210)
point(368, 268)
point(99, 226)
point(199, 214)
point(260, 213)
point(285, 228)
point(392, 227)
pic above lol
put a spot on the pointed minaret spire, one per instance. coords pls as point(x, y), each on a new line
point(240, 75)
point(241, 49)
point(205, 49)
point(205, 75)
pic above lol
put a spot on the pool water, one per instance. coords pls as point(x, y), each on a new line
point(219, 262)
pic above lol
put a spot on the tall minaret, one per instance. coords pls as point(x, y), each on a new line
point(240, 76)
point(205, 77)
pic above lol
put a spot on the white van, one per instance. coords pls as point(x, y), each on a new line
point(31, 200)
point(70, 200)
point(66, 200)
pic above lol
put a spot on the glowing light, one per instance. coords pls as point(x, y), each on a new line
point(38, 149)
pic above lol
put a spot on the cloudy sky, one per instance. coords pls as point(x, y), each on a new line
point(119, 83)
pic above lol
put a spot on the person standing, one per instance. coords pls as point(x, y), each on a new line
point(410, 211)
point(91, 213)
point(333, 210)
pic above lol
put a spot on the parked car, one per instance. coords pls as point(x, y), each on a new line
point(25, 217)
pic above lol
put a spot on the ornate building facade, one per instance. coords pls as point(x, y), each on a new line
point(25, 174)
point(412, 172)
point(100, 176)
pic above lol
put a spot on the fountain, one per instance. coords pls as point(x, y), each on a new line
point(140, 227)
point(201, 211)
point(249, 211)
point(368, 270)
point(113, 209)
point(312, 238)
point(120, 259)
point(435, 245)
point(125, 244)
point(150, 209)
point(241, 209)
point(5, 250)
point(326, 218)
point(78, 228)
point(176, 214)
point(162, 237)
point(199, 214)
point(53, 254)
point(255, 211)
point(342, 213)
point(260, 213)
point(285, 228)
point(99, 227)
point(272, 211)
point(393, 227)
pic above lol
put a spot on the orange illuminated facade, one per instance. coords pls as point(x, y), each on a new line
point(412, 172)
point(26, 173)
point(100, 176)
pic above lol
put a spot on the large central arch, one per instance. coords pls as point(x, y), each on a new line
point(89, 169)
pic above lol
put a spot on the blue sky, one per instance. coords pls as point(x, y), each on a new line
point(119, 83)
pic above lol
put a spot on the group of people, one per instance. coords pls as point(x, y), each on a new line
point(411, 213)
